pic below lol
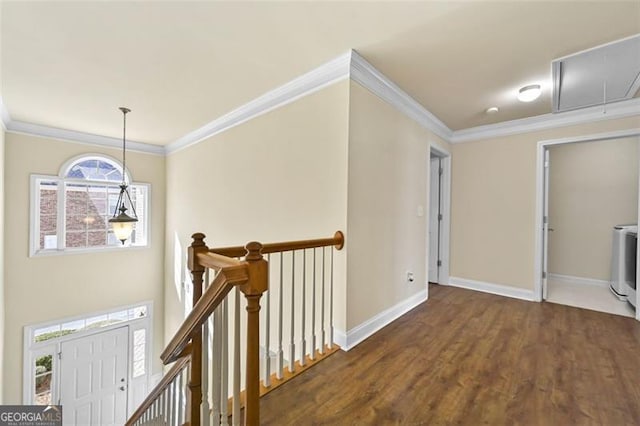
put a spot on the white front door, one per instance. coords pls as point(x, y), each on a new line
point(434, 219)
point(93, 379)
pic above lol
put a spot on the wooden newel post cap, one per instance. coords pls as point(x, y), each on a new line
point(198, 240)
point(254, 251)
point(197, 246)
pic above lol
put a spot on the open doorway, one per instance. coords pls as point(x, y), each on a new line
point(439, 218)
point(588, 188)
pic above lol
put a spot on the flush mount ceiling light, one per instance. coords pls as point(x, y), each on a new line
point(121, 222)
point(529, 93)
point(491, 110)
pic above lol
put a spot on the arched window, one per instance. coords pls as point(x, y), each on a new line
point(71, 211)
point(94, 168)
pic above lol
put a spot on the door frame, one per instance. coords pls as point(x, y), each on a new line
point(445, 208)
point(543, 145)
point(137, 388)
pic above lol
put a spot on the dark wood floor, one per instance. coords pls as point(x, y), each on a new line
point(468, 358)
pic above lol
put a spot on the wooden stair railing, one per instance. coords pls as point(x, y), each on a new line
point(178, 399)
point(155, 405)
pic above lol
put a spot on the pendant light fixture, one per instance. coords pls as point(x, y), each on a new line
point(121, 222)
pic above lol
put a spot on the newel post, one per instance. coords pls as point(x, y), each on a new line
point(253, 289)
point(194, 396)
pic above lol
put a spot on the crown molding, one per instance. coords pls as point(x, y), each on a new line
point(380, 85)
point(5, 118)
point(348, 65)
point(611, 111)
point(325, 75)
point(80, 137)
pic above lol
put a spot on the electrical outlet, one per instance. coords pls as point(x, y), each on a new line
point(410, 277)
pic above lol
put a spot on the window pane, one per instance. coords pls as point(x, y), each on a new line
point(138, 368)
point(98, 321)
point(119, 316)
point(43, 377)
point(87, 213)
point(72, 326)
point(45, 333)
point(112, 201)
point(139, 345)
point(95, 170)
point(139, 312)
point(138, 340)
point(139, 197)
point(50, 242)
point(104, 320)
point(96, 238)
point(110, 172)
point(86, 207)
point(48, 220)
point(112, 240)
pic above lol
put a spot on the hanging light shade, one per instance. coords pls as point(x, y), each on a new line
point(121, 222)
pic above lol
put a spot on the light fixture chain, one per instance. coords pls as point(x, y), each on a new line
point(121, 221)
point(124, 147)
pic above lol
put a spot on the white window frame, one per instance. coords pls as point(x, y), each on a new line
point(34, 226)
point(138, 386)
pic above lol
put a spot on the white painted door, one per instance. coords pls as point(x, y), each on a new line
point(545, 224)
point(93, 379)
point(434, 219)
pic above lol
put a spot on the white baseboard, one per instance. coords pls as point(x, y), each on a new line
point(579, 280)
point(499, 289)
point(340, 338)
point(360, 332)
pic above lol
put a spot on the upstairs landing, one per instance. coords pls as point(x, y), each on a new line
point(472, 358)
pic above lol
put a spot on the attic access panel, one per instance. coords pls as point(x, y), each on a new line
point(604, 74)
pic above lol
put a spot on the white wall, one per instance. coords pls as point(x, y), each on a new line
point(592, 187)
point(279, 177)
point(47, 288)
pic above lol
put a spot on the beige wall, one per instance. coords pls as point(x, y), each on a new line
point(388, 181)
point(592, 187)
point(493, 204)
point(281, 176)
point(51, 287)
point(2, 299)
point(2, 290)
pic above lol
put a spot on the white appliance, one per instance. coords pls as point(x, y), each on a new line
point(621, 258)
point(631, 246)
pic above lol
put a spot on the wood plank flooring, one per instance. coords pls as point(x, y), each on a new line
point(468, 358)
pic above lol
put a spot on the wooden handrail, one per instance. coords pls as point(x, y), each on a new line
point(238, 251)
point(217, 261)
point(251, 277)
point(157, 391)
point(226, 279)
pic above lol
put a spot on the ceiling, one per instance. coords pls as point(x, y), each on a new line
point(179, 65)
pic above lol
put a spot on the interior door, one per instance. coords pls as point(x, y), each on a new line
point(545, 225)
point(93, 379)
point(434, 219)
